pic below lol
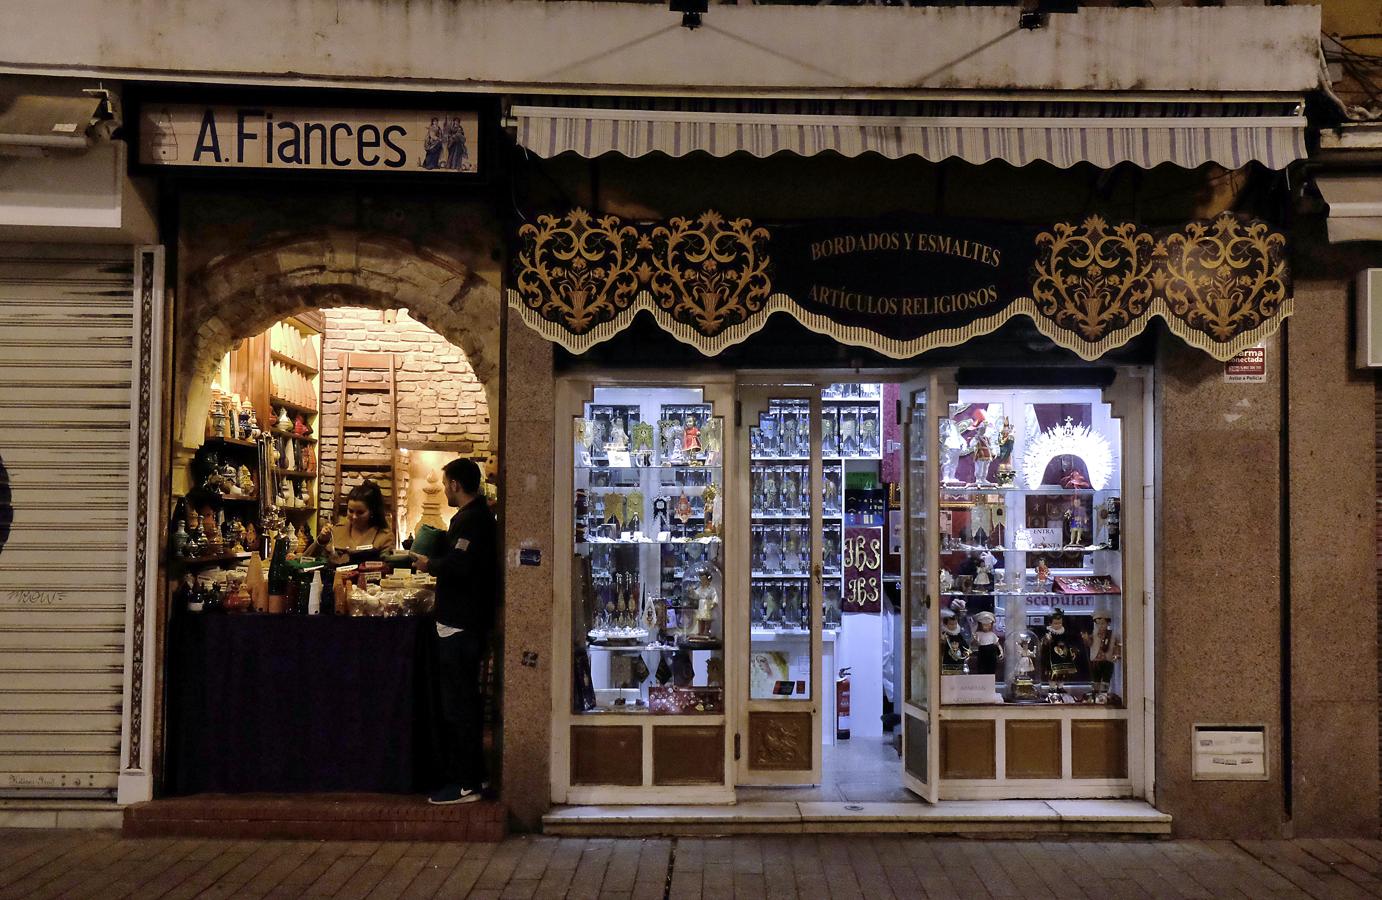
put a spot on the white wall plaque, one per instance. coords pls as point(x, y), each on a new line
point(1229, 753)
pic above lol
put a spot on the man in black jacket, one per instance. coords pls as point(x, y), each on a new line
point(467, 595)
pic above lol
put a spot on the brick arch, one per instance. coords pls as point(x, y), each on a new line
point(237, 296)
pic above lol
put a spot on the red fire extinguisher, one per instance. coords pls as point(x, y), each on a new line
point(842, 705)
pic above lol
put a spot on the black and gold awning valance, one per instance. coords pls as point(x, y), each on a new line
point(902, 285)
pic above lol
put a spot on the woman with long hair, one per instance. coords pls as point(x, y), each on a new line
point(364, 532)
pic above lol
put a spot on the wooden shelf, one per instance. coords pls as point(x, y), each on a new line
point(214, 560)
point(290, 361)
point(231, 442)
point(297, 437)
point(294, 473)
point(295, 407)
point(298, 510)
point(380, 386)
point(372, 462)
point(364, 425)
point(226, 498)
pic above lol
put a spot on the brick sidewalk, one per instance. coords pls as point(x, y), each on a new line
point(101, 864)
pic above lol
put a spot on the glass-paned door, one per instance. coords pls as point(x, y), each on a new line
point(920, 735)
point(780, 728)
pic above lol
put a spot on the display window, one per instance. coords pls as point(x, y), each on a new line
point(648, 516)
point(917, 580)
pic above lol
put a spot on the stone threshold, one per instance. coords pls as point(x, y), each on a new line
point(975, 818)
point(59, 813)
point(339, 817)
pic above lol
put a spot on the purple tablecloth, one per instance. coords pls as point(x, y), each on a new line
point(288, 704)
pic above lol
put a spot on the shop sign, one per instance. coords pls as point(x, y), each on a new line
point(863, 565)
point(903, 284)
point(309, 139)
point(1248, 367)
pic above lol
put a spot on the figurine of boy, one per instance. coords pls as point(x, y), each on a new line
point(1105, 649)
point(1059, 654)
point(954, 645)
point(987, 650)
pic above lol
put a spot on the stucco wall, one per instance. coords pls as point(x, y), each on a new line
point(521, 44)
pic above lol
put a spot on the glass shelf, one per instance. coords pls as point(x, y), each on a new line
point(1034, 492)
point(679, 542)
point(677, 468)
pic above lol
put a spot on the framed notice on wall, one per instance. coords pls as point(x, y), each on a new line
point(436, 142)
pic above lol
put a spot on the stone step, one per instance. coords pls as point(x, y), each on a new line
point(348, 817)
point(1008, 819)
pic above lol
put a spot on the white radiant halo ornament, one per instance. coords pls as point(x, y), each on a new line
point(1075, 440)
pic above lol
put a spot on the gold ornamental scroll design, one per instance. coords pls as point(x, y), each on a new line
point(710, 272)
point(1093, 278)
point(577, 269)
point(1224, 277)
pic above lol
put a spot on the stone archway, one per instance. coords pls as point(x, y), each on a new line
point(237, 296)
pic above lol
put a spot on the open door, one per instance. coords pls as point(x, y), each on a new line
point(921, 698)
point(778, 739)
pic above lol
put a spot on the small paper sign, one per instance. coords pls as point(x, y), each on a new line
point(1248, 367)
point(1039, 538)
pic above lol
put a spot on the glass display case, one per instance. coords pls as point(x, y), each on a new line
point(648, 578)
point(780, 536)
point(1031, 559)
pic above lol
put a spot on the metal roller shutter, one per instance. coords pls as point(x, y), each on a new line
point(66, 351)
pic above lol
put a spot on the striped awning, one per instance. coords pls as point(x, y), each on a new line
point(1062, 134)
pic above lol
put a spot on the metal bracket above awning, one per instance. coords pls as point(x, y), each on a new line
point(1063, 134)
point(39, 116)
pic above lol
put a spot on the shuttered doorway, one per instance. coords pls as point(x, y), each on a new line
point(66, 360)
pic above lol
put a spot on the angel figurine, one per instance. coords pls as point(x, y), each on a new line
point(952, 448)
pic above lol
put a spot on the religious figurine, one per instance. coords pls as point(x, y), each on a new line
point(618, 437)
point(691, 440)
point(707, 600)
point(710, 498)
point(829, 446)
point(246, 481)
point(284, 423)
point(983, 578)
point(952, 447)
point(954, 645)
point(682, 511)
point(1078, 535)
point(1024, 685)
point(1059, 653)
point(987, 650)
point(1105, 649)
point(300, 427)
point(983, 455)
point(642, 438)
point(1071, 478)
point(1043, 574)
point(1003, 460)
